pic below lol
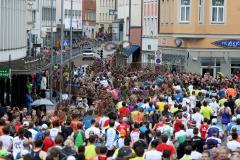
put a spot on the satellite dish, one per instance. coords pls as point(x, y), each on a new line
point(178, 42)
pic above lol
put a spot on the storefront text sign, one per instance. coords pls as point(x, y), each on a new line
point(231, 43)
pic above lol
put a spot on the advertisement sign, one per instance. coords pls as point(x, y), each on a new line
point(229, 43)
point(158, 57)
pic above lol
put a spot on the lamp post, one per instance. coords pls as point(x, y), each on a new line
point(62, 37)
point(70, 61)
point(51, 63)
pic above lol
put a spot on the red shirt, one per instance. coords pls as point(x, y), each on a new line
point(123, 112)
point(47, 143)
point(164, 146)
point(177, 125)
point(124, 126)
point(203, 130)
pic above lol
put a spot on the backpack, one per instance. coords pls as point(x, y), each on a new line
point(78, 139)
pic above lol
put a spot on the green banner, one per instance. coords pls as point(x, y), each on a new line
point(5, 73)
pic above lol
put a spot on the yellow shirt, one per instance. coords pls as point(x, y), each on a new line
point(90, 152)
point(206, 112)
point(137, 158)
point(115, 155)
point(160, 106)
point(222, 101)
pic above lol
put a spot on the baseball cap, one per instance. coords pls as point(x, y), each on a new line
point(122, 133)
point(214, 120)
point(234, 119)
point(26, 124)
point(124, 152)
point(238, 116)
point(44, 127)
point(125, 119)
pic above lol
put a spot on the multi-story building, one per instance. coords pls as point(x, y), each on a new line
point(135, 31)
point(76, 18)
point(149, 30)
point(105, 15)
point(123, 20)
point(89, 18)
point(39, 22)
point(12, 29)
point(200, 35)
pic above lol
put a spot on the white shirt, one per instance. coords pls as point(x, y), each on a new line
point(152, 155)
point(44, 83)
point(198, 118)
point(17, 145)
point(7, 141)
point(111, 136)
point(192, 99)
point(96, 131)
point(233, 145)
point(196, 155)
point(34, 132)
point(54, 132)
point(119, 143)
point(215, 106)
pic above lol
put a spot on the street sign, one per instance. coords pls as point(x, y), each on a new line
point(5, 73)
point(65, 42)
point(158, 57)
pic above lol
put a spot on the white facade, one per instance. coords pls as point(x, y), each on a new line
point(150, 30)
point(123, 14)
point(39, 22)
point(136, 15)
point(77, 14)
point(102, 11)
point(12, 29)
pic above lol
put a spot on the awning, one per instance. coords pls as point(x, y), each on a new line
point(132, 49)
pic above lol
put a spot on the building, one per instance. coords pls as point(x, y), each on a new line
point(89, 18)
point(150, 30)
point(39, 24)
point(76, 20)
point(12, 29)
point(123, 21)
point(105, 15)
point(135, 31)
point(200, 35)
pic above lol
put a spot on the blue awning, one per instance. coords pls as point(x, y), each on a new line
point(132, 49)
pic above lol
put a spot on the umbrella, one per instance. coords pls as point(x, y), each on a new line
point(43, 101)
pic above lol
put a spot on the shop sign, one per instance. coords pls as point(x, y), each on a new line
point(230, 43)
point(5, 73)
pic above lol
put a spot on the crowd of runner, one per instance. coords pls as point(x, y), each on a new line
point(131, 116)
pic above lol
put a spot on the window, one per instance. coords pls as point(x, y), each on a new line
point(162, 11)
point(184, 11)
point(167, 11)
point(217, 11)
point(200, 11)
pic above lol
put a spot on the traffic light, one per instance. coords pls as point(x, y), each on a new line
point(101, 54)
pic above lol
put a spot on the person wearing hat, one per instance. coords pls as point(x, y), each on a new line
point(232, 123)
point(27, 133)
point(167, 128)
point(237, 125)
point(214, 129)
point(120, 141)
point(125, 151)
